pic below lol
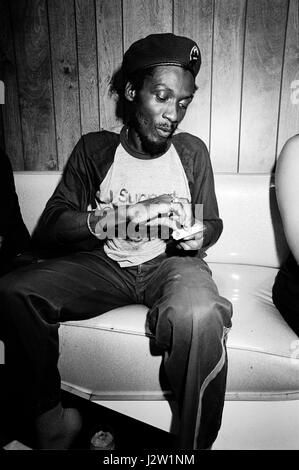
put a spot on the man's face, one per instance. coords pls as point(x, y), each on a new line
point(160, 106)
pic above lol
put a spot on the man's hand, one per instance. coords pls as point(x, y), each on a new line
point(161, 210)
point(193, 242)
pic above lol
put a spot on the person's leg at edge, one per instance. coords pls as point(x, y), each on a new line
point(190, 321)
point(286, 298)
point(33, 301)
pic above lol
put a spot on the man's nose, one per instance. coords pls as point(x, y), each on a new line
point(171, 112)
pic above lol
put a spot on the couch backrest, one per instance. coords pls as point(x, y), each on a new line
point(253, 232)
point(252, 227)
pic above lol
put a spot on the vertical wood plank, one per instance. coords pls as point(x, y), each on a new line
point(8, 74)
point(87, 62)
point(65, 76)
point(229, 27)
point(110, 52)
point(144, 17)
point(31, 35)
point(194, 19)
point(289, 114)
point(264, 44)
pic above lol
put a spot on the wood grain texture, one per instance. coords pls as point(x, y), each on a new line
point(87, 65)
point(8, 74)
point(229, 28)
point(65, 76)
point(110, 53)
point(194, 19)
point(31, 37)
point(264, 44)
point(289, 113)
point(144, 17)
point(57, 59)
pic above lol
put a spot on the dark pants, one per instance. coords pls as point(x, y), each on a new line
point(187, 315)
point(285, 294)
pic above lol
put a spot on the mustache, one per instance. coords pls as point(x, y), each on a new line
point(166, 128)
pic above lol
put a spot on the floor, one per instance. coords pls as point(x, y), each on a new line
point(129, 433)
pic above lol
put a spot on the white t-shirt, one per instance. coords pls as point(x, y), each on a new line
point(130, 180)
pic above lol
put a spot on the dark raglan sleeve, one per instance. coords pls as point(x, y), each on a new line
point(204, 193)
point(62, 225)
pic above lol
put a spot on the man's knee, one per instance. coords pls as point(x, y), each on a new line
point(201, 307)
point(195, 297)
point(190, 304)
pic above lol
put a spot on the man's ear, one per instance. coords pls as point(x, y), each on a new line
point(130, 93)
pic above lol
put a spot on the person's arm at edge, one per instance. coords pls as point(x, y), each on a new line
point(287, 183)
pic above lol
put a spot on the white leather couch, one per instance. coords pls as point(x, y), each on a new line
point(109, 359)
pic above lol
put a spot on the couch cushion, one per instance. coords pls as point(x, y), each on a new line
point(111, 356)
point(260, 344)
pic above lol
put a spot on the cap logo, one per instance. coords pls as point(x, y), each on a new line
point(194, 54)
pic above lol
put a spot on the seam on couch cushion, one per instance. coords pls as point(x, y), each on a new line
point(261, 396)
point(108, 328)
point(270, 353)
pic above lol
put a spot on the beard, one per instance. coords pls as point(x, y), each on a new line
point(139, 122)
point(152, 147)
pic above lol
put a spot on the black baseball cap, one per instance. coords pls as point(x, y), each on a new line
point(162, 49)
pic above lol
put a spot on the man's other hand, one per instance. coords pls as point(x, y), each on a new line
point(193, 242)
point(161, 210)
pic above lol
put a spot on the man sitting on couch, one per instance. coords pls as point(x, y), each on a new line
point(113, 220)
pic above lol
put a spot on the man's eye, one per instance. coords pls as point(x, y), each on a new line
point(162, 99)
point(183, 105)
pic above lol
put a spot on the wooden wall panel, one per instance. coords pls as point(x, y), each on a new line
point(87, 65)
point(57, 59)
point(110, 52)
point(229, 27)
point(145, 17)
point(289, 113)
point(8, 73)
point(31, 37)
point(194, 18)
point(65, 76)
point(264, 45)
